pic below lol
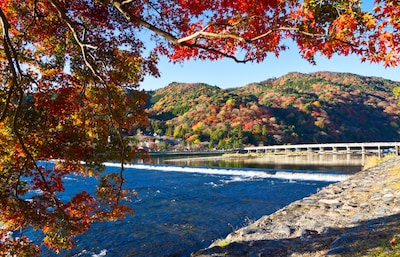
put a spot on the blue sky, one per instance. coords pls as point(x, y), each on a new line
point(227, 74)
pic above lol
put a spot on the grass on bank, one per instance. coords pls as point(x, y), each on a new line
point(373, 160)
point(388, 247)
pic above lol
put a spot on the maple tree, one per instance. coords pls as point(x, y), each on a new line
point(69, 92)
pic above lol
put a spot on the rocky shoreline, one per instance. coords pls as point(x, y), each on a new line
point(348, 218)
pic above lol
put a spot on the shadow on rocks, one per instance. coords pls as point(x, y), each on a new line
point(350, 241)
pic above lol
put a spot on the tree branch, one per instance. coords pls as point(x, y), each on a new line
point(121, 7)
point(12, 58)
point(8, 50)
point(95, 72)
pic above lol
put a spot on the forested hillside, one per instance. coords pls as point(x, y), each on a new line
point(295, 108)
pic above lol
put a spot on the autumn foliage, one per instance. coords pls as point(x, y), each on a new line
point(296, 108)
point(66, 67)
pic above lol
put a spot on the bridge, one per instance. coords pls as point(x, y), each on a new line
point(363, 148)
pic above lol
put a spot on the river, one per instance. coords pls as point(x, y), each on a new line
point(186, 202)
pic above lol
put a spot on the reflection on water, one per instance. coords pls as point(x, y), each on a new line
point(320, 162)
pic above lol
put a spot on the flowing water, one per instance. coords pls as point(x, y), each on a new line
point(185, 203)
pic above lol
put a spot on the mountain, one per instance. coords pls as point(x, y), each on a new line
point(295, 108)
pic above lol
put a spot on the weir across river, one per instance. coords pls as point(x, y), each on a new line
point(363, 148)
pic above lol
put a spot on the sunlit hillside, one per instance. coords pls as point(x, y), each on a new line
point(295, 108)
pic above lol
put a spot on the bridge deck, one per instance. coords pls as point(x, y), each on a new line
point(332, 147)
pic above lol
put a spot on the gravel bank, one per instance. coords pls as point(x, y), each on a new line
point(348, 218)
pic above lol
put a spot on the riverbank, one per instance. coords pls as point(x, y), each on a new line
point(349, 218)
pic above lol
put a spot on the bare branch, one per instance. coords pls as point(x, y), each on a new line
point(261, 36)
point(126, 2)
point(70, 24)
point(130, 17)
point(209, 34)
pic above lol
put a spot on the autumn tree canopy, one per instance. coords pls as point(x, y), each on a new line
point(70, 71)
